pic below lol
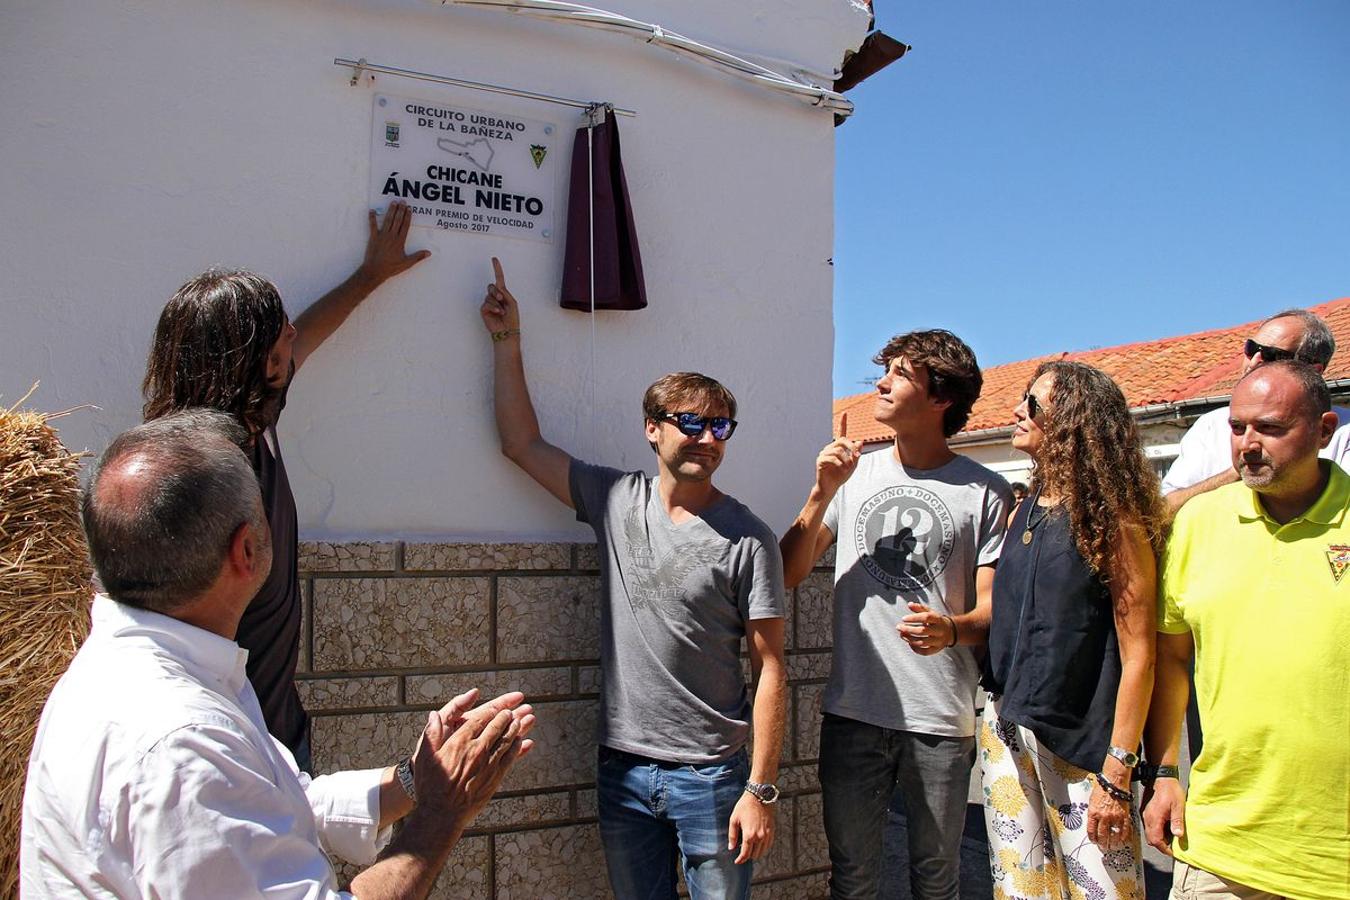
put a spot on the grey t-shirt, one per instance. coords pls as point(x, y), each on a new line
point(674, 603)
point(905, 535)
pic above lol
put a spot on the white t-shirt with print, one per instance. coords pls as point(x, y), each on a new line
point(906, 535)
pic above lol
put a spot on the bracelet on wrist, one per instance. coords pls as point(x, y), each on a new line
point(1118, 794)
point(499, 336)
point(955, 637)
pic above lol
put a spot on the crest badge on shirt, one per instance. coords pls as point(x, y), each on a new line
point(1338, 556)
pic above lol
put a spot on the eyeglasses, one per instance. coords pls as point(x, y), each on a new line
point(1034, 406)
point(1268, 354)
point(692, 424)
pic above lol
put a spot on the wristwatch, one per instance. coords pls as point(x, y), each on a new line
point(764, 793)
point(405, 778)
point(1128, 760)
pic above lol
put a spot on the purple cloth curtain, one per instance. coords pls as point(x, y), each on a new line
point(618, 263)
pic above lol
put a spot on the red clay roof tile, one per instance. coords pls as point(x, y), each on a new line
point(1170, 370)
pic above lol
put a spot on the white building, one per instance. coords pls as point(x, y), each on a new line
point(147, 140)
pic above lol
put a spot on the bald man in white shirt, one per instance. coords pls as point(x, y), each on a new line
point(153, 773)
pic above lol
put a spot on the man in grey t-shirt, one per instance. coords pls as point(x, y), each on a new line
point(686, 573)
point(918, 532)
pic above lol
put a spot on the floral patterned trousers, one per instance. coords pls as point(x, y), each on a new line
point(1035, 810)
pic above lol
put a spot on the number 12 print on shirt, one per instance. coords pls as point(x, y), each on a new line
point(904, 537)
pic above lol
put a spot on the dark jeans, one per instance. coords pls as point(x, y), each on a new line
point(861, 765)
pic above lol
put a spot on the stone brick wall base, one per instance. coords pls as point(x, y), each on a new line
point(393, 630)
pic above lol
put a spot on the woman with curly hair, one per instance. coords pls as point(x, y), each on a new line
point(1071, 646)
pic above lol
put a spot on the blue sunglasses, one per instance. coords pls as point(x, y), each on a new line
point(692, 424)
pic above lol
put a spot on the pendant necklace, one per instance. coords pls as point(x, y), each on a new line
point(1032, 521)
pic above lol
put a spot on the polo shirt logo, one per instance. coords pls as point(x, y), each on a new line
point(1338, 555)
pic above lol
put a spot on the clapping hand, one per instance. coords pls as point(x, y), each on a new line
point(464, 753)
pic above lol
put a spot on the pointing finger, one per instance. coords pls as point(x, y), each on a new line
point(498, 274)
point(843, 425)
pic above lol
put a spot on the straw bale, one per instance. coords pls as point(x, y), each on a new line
point(44, 597)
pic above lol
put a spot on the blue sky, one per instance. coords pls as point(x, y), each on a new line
point(1041, 176)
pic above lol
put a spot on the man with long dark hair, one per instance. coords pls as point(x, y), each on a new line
point(224, 342)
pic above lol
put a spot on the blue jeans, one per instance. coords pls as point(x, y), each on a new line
point(653, 813)
point(860, 767)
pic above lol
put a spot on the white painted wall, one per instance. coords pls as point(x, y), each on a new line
point(146, 140)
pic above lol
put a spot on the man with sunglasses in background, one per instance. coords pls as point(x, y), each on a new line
point(920, 529)
point(686, 572)
point(1205, 462)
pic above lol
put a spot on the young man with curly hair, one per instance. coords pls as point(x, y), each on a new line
point(919, 529)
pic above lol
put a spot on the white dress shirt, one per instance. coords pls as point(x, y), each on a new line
point(153, 775)
point(1206, 449)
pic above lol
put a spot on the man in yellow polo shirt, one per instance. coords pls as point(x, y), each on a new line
point(1256, 582)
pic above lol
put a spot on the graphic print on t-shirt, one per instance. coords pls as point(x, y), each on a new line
point(904, 536)
point(661, 580)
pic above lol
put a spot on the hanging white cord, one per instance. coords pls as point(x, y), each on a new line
point(821, 95)
point(590, 182)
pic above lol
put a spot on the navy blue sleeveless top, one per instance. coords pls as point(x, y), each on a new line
point(270, 627)
point(1053, 653)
